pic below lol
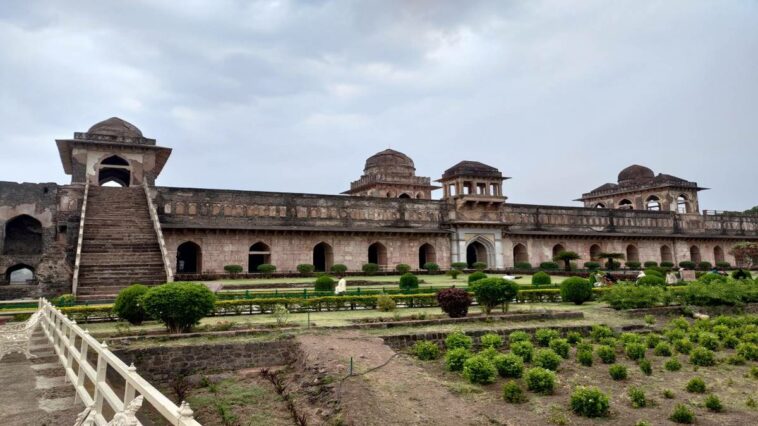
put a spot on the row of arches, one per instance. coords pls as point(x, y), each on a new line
point(652, 203)
point(189, 256)
point(631, 253)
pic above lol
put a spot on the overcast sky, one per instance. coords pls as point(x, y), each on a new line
point(294, 96)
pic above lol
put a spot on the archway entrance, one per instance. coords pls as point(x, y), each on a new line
point(476, 252)
point(189, 258)
point(558, 248)
point(718, 254)
point(426, 254)
point(323, 257)
point(20, 274)
point(114, 171)
point(595, 251)
point(520, 254)
point(377, 254)
point(23, 235)
point(632, 254)
point(695, 254)
point(259, 254)
point(666, 255)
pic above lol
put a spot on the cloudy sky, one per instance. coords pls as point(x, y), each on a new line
point(294, 96)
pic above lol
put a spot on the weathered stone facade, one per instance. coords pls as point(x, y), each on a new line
point(389, 218)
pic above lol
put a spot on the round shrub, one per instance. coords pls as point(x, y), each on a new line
point(403, 268)
point(672, 365)
point(479, 266)
point(637, 396)
point(576, 290)
point(541, 278)
point(491, 340)
point(454, 302)
point(696, 385)
point(748, 350)
point(584, 358)
point(682, 414)
point(683, 346)
point(524, 349)
point(592, 266)
point(457, 339)
point(662, 349)
point(459, 265)
point(513, 393)
point(723, 265)
point(543, 336)
point(549, 266)
point(589, 402)
point(627, 338)
point(385, 303)
point(476, 276)
point(650, 264)
point(64, 300)
point(431, 267)
point(523, 266)
point(600, 331)
point(632, 264)
point(490, 353)
point(540, 380)
point(325, 283)
point(561, 347)
point(509, 365)
point(266, 268)
point(426, 350)
point(128, 305)
point(574, 337)
point(408, 282)
point(179, 306)
point(338, 269)
point(607, 354)
point(519, 336)
point(453, 273)
point(709, 341)
point(667, 264)
point(652, 340)
point(305, 269)
point(617, 372)
point(370, 268)
point(645, 367)
point(233, 269)
point(547, 358)
point(704, 266)
point(651, 281)
point(731, 341)
point(635, 351)
point(713, 403)
point(454, 358)
point(702, 357)
point(491, 292)
point(742, 274)
point(479, 370)
point(687, 264)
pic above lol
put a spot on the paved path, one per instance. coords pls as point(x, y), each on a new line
point(34, 392)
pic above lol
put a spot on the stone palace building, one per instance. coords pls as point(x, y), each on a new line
point(91, 239)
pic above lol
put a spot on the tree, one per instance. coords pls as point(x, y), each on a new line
point(610, 257)
point(751, 211)
point(490, 292)
point(566, 257)
point(746, 253)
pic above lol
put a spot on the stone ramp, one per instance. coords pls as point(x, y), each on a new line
point(34, 392)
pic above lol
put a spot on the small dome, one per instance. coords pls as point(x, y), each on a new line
point(389, 162)
point(635, 173)
point(472, 168)
point(115, 126)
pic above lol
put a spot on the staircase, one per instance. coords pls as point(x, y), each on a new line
point(120, 246)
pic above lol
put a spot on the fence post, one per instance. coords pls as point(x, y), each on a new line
point(102, 366)
point(128, 388)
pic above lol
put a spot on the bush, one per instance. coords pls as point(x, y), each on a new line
point(646, 367)
point(546, 358)
point(651, 281)
point(668, 394)
point(325, 283)
point(576, 290)
point(704, 266)
point(709, 341)
point(696, 385)
point(403, 268)
point(719, 292)
point(426, 350)
point(459, 265)
point(128, 305)
point(667, 265)
point(370, 268)
point(549, 266)
point(385, 303)
point(574, 337)
point(454, 358)
point(748, 350)
point(561, 347)
point(607, 354)
point(524, 266)
point(491, 340)
point(600, 332)
point(702, 357)
point(454, 302)
point(662, 349)
point(617, 372)
point(584, 358)
point(431, 267)
point(479, 370)
point(682, 414)
point(589, 402)
point(687, 264)
point(652, 340)
point(723, 265)
point(454, 273)
point(233, 269)
point(476, 276)
point(509, 365)
point(524, 349)
point(64, 300)
point(592, 266)
point(540, 380)
point(408, 281)
point(635, 351)
point(633, 264)
point(683, 346)
point(490, 353)
point(266, 268)
point(672, 365)
point(637, 396)
point(713, 403)
point(742, 274)
point(338, 269)
point(490, 292)
point(651, 264)
point(541, 278)
point(513, 393)
point(179, 306)
point(627, 296)
point(305, 269)
point(457, 339)
point(479, 266)
point(543, 336)
point(519, 336)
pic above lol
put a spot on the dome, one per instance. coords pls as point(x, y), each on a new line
point(635, 173)
point(472, 168)
point(389, 162)
point(115, 126)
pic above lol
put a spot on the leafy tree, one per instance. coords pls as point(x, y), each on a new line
point(179, 306)
point(490, 292)
point(753, 210)
point(610, 257)
point(566, 257)
point(128, 304)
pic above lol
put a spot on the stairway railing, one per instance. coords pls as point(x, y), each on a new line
point(159, 232)
point(75, 347)
point(80, 241)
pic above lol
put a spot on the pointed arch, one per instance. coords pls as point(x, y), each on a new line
point(695, 254)
point(681, 204)
point(557, 249)
point(377, 253)
point(20, 274)
point(114, 160)
point(189, 258)
point(259, 254)
point(653, 203)
point(426, 254)
point(718, 254)
point(632, 253)
point(323, 257)
point(480, 249)
point(23, 235)
point(114, 171)
point(404, 195)
point(626, 205)
point(666, 254)
point(520, 254)
point(595, 251)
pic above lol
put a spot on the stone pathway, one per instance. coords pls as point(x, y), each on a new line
point(34, 392)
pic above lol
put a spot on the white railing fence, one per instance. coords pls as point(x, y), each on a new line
point(75, 348)
point(80, 240)
point(159, 233)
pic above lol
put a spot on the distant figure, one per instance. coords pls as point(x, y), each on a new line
point(671, 278)
point(341, 286)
